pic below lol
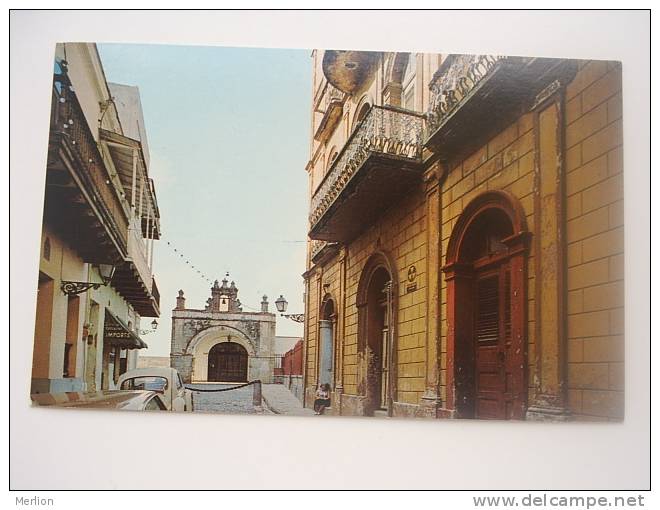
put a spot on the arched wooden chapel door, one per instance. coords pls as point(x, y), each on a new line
point(228, 362)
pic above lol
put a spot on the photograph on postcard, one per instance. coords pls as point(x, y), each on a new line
point(414, 235)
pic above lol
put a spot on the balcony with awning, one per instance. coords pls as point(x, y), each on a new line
point(134, 279)
point(378, 164)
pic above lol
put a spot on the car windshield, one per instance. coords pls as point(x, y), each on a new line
point(147, 382)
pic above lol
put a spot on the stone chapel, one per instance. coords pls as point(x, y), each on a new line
point(222, 343)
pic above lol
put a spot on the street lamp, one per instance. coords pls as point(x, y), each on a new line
point(106, 271)
point(281, 303)
point(154, 327)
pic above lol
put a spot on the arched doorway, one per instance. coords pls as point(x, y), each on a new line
point(228, 362)
point(486, 303)
point(326, 342)
point(376, 332)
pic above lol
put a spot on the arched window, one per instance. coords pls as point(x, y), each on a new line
point(486, 305)
point(408, 83)
point(400, 81)
point(362, 112)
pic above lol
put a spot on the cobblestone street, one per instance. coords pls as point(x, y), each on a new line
point(238, 401)
point(276, 400)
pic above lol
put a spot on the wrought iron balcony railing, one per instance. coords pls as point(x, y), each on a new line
point(316, 247)
point(453, 82)
point(321, 249)
point(473, 97)
point(69, 126)
point(385, 131)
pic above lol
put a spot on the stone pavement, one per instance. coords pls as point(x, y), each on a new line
point(237, 401)
point(280, 400)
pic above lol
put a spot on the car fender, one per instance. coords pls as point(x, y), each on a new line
point(178, 404)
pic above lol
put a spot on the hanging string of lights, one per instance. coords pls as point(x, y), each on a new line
point(186, 260)
point(198, 272)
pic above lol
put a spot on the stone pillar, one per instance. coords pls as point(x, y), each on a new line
point(431, 400)
point(256, 394)
point(180, 301)
point(264, 304)
point(549, 399)
point(325, 351)
point(392, 94)
point(339, 328)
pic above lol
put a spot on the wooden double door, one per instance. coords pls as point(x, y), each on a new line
point(494, 357)
point(228, 362)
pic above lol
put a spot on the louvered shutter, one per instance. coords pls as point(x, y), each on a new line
point(488, 309)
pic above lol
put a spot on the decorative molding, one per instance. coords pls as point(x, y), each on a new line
point(542, 96)
point(455, 79)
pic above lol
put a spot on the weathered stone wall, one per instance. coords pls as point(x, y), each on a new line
point(183, 364)
point(594, 188)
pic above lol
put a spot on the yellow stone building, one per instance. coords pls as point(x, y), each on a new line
point(466, 236)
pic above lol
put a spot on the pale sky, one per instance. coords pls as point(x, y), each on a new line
point(228, 134)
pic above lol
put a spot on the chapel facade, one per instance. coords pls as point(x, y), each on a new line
point(223, 343)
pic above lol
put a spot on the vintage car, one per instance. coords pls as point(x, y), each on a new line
point(166, 381)
point(104, 399)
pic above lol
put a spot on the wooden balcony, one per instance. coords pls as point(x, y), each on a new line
point(143, 296)
point(80, 202)
point(475, 96)
point(379, 163)
point(134, 279)
point(129, 161)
